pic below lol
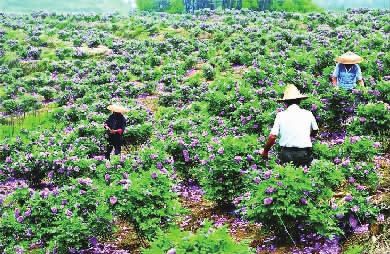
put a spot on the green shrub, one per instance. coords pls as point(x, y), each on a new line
point(145, 199)
point(291, 196)
point(229, 172)
point(206, 240)
point(372, 118)
point(208, 71)
point(59, 219)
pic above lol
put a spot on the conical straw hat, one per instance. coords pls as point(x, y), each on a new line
point(349, 58)
point(117, 108)
point(292, 93)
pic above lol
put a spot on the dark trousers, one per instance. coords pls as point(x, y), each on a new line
point(297, 156)
point(110, 146)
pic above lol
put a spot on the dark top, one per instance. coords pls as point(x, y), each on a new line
point(116, 121)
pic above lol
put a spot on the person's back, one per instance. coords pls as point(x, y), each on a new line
point(295, 126)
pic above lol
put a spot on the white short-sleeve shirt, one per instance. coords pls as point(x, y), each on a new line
point(294, 127)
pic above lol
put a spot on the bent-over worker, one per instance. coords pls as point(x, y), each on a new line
point(347, 71)
point(115, 125)
point(294, 126)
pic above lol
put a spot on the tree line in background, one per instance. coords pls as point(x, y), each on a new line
point(179, 6)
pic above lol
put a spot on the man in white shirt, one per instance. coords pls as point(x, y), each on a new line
point(294, 126)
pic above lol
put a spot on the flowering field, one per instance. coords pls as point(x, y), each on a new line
point(202, 91)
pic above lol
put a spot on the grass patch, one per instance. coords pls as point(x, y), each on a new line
point(40, 120)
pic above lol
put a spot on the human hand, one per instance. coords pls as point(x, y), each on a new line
point(112, 131)
point(264, 154)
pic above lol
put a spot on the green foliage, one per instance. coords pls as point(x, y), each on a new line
point(176, 6)
point(291, 196)
point(208, 71)
point(144, 199)
point(229, 174)
point(60, 219)
point(206, 240)
point(146, 5)
point(250, 4)
point(294, 5)
point(371, 119)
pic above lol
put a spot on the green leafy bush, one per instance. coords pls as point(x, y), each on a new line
point(291, 196)
point(206, 240)
point(144, 199)
point(229, 172)
point(59, 219)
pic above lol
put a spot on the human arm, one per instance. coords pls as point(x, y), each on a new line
point(334, 81)
point(335, 75)
point(270, 142)
point(314, 127)
point(271, 138)
point(359, 76)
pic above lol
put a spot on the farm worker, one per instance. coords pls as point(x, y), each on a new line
point(347, 71)
point(294, 126)
point(115, 125)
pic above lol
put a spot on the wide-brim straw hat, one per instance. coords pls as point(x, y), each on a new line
point(117, 108)
point(349, 58)
point(292, 93)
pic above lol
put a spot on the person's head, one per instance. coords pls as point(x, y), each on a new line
point(291, 102)
point(292, 95)
point(348, 66)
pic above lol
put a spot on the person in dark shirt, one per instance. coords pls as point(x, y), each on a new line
point(115, 126)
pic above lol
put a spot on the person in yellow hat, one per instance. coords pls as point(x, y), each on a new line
point(347, 72)
point(115, 126)
point(294, 127)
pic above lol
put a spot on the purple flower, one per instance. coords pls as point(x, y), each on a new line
point(20, 219)
point(257, 180)
point(221, 150)
point(268, 201)
point(267, 174)
point(354, 139)
point(54, 210)
point(68, 213)
point(153, 156)
point(303, 201)
point(107, 177)
point(353, 222)
point(270, 190)
point(154, 175)
point(360, 187)
point(186, 155)
point(159, 165)
point(93, 241)
point(351, 179)
point(348, 198)
point(345, 162)
point(8, 159)
point(113, 200)
point(171, 251)
point(314, 107)
point(17, 212)
point(361, 229)
point(238, 159)
point(380, 217)
point(362, 119)
point(355, 209)
point(377, 145)
point(28, 212)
